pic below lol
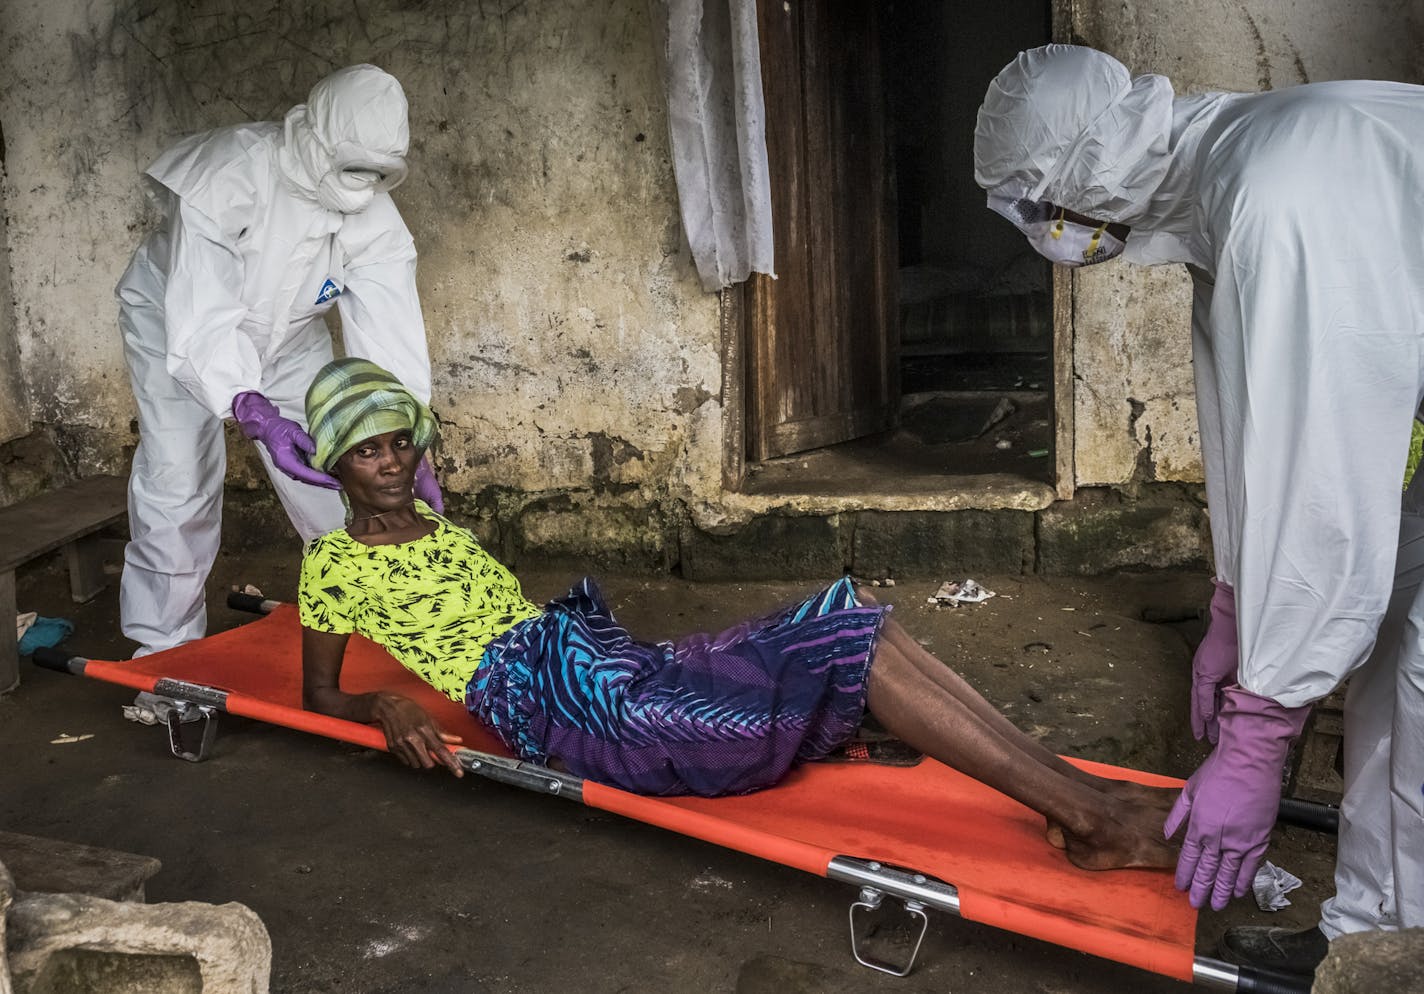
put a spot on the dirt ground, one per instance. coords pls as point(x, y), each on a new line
point(375, 879)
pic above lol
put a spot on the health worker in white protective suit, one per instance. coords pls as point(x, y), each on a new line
point(266, 226)
point(1300, 216)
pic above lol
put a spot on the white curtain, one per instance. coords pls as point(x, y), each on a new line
point(711, 69)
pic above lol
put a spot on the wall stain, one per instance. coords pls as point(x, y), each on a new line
point(1263, 61)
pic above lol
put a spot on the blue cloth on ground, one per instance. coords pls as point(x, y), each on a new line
point(45, 633)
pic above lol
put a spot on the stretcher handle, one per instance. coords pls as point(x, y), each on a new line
point(251, 603)
point(1254, 980)
point(1308, 814)
point(51, 658)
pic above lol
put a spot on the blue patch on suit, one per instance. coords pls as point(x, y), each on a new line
point(329, 291)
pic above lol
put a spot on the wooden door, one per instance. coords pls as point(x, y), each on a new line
point(822, 338)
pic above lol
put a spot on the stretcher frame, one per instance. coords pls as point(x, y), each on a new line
point(178, 704)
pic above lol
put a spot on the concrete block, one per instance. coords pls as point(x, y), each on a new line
point(1101, 530)
point(942, 544)
point(772, 547)
point(7, 897)
point(1372, 962)
point(84, 971)
point(50, 866)
point(228, 943)
point(586, 537)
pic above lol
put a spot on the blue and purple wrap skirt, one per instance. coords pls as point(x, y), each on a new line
point(706, 714)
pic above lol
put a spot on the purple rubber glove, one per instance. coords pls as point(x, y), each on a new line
point(1214, 665)
point(427, 488)
point(289, 446)
point(1229, 805)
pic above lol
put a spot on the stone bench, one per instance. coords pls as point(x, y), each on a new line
point(67, 518)
point(53, 867)
point(97, 935)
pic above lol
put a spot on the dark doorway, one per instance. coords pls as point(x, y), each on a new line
point(932, 315)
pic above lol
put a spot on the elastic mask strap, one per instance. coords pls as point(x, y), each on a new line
point(1093, 242)
point(1057, 230)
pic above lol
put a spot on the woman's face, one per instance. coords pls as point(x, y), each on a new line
point(378, 474)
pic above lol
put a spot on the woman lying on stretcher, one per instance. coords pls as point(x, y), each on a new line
point(567, 686)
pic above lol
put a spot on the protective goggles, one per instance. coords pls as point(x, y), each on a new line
point(360, 168)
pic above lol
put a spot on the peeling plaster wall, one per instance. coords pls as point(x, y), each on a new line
point(14, 408)
point(573, 349)
point(577, 367)
point(1134, 407)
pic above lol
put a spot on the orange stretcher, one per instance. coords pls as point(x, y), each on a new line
point(924, 836)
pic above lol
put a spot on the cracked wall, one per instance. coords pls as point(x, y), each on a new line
point(573, 349)
point(1134, 405)
point(577, 367)
point(14, 405)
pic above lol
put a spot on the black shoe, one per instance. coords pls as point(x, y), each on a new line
point(1272, 948)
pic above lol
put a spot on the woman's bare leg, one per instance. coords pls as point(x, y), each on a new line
point(1100, 831)
point(951, 682)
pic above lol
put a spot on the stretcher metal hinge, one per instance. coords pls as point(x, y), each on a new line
point(518, 773)
point(179, 716)
point(152, 709)
point(869, 902)
point(877, 881)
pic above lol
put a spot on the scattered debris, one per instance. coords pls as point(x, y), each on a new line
point(1271, 886)
point(1038, 646)
point(957, 592)
point(66, 739)
point(1002, 410)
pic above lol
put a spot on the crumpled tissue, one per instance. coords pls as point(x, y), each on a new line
point(1271, 886)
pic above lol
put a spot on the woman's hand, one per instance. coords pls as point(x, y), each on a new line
point(412, 735)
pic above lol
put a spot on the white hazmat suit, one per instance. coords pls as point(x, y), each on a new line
point(266, 227)
point(1300, 214)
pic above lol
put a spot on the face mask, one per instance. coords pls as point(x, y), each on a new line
point(1057, 239)
point(351, 189)
point(345, 192)
point(1067, 243)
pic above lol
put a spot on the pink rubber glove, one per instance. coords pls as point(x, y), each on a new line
point(427, 488)
point(1214, 665)
point(1230, 803)
point(290, 447)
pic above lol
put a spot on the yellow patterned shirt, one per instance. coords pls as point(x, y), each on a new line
point(433, 603)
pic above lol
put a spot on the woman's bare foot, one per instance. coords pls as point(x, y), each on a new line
point(1158, 798)
point(1121, 835)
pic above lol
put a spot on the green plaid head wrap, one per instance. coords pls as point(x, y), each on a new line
point(352, 400)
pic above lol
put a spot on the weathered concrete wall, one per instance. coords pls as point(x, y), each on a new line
point(577, 367)
point(573, 348)
point(14, 408)
point(1135, 413)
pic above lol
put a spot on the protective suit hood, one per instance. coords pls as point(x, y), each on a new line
point(348, 141)
point(1069, 125)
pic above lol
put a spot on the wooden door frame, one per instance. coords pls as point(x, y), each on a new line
point(735, 319)
point(736, 333)
point(1060, 30)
